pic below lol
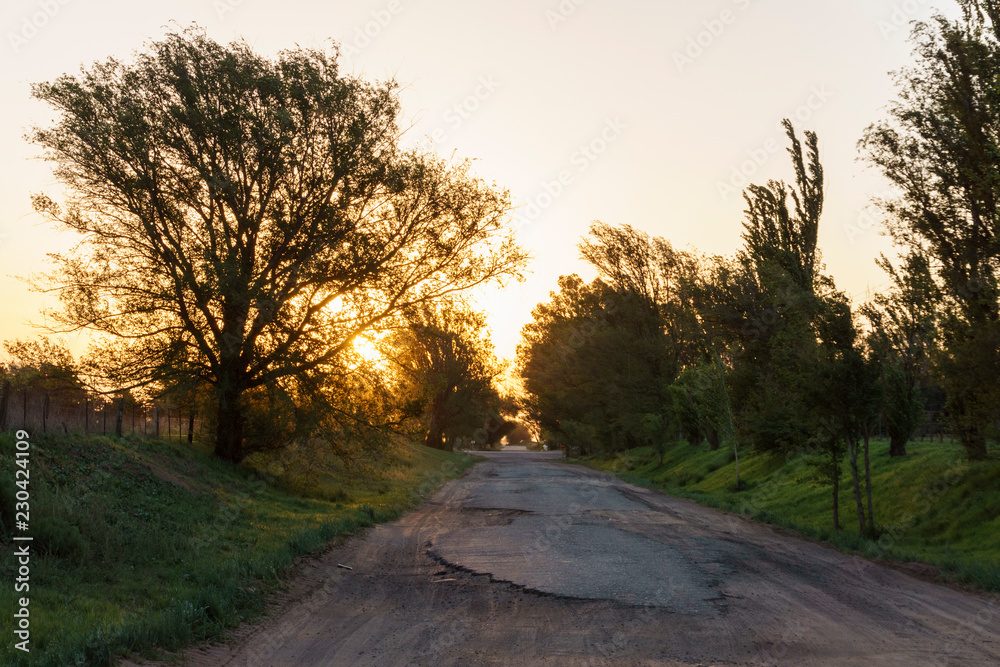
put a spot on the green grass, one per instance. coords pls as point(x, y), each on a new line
point(125, 561)
point(932, 506)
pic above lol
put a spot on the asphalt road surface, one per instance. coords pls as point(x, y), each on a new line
point(530, 561)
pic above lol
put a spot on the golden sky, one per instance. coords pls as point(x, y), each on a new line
point(649, 113)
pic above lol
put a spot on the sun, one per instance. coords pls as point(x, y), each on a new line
point(366, 347)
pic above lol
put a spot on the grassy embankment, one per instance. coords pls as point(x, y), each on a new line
point(932, 506)
point(141, 544)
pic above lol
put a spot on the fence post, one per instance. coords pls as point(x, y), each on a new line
point(121, 413)
point(156, 411)
point(191, 427)
point(4, 402)
point(104, 417)
point(24, 407)
point(45, 413)
point(86, 414)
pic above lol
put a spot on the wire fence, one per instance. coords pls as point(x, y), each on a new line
point(41, 410)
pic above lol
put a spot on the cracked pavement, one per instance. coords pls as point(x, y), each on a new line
point(530, 561)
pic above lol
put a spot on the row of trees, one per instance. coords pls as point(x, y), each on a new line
point(761, 348)
point(246, 222)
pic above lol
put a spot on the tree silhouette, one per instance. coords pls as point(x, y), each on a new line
point(244, 219)
point(940, 148)
point(447, 369)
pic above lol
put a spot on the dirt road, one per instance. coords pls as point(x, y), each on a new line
point(529, 561)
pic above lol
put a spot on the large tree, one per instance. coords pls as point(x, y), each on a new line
point(243, 219)
point(598, 359)
point(902, 332)
point(659, 276)
point(940, 148)
point(595, 366)
point(778, 236)
point(845, 400)
point(763, 304)
point(447, 370)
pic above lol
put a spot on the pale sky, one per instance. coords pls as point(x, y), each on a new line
point(636, 112)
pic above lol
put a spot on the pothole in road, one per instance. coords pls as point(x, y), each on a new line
point(499, 516)
point(584, 561)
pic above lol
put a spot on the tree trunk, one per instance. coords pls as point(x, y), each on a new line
point(835, 479)
point(713, 439)
point(435, 429)
point(852, 450)
point(736, 456)
point(434, 438)
point(974, 442)
point(191, 427)
point(121, 415)
point(968, 424)
point(897, 445)
point(868, 485)
point(836, 497)
point(229, 430)
point(4, 402)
